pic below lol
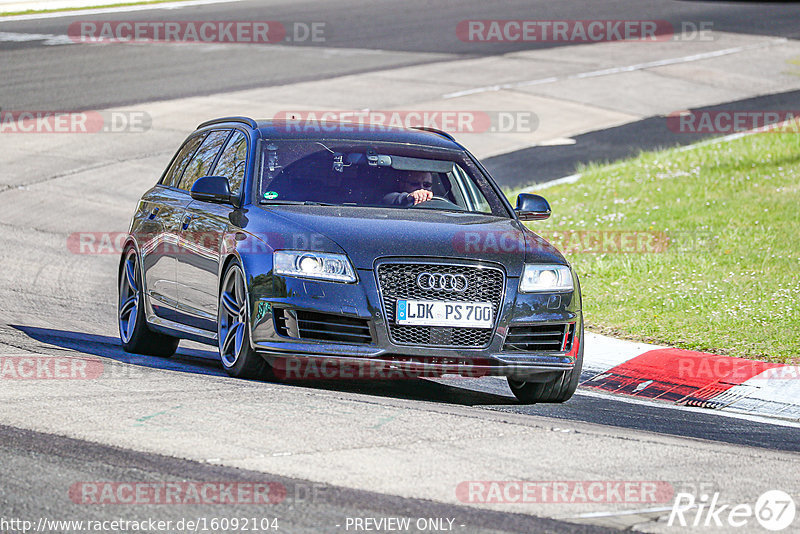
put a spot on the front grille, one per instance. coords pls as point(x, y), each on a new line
point(540, 338)
point(399, 281)
point(299, 324)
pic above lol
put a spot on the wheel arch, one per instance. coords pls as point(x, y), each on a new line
point(131, 242)
point(230, 258)
point(225, 264)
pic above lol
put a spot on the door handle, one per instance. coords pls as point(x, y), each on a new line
point(186, 220)
point(153, 213)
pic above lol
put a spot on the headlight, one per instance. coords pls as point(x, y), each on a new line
point(545, 278)
point(320, 265)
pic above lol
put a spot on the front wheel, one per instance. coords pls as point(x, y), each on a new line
point(134, 333)
point(558, 389)
point(238, 357)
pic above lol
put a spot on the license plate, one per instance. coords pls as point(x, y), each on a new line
point(439, 313)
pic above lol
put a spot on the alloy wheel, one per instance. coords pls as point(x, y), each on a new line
point(232, 317)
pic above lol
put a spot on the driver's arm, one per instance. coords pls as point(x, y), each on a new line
point(408, 199)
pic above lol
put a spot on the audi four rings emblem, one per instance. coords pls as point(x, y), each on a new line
point(443, 282)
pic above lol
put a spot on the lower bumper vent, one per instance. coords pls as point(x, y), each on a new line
point(316, 326)
point(540, 338)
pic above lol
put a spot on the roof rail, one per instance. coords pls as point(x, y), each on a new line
point(436, 131)
point(246, 120)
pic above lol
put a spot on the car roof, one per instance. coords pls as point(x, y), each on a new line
point(310, 129)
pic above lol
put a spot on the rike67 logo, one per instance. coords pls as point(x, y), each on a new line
point(774, 510)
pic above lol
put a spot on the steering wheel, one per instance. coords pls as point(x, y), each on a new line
point(436, 199)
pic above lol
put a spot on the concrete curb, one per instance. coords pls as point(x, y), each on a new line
point(686, 377)
point(40, 5)
point(47, 8)
point(690, 378)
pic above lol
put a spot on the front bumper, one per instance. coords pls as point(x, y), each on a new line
point(362, 301)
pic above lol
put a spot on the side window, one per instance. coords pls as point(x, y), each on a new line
point(203, 158)
point(466, 192)
point(175, 171)
point(232, 162)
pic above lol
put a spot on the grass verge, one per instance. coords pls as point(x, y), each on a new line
point(697, 249)
point(100, 5)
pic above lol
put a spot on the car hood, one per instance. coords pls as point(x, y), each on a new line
point(366, 234)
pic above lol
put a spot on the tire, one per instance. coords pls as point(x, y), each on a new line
point(134, 333)
point(238, 357)
point(557, 390)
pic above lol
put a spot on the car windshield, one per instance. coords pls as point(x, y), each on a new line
point(340, 172)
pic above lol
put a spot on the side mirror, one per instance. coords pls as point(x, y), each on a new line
point(532, 207)
point(211, 189)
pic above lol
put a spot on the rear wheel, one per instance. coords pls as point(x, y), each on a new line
point(555, 390)
point(134, 333)
point(238, 357)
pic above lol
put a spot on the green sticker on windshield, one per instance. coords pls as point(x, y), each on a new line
point(269, 195)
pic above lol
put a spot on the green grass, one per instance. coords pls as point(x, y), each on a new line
point(727, 280)
point(99, 5)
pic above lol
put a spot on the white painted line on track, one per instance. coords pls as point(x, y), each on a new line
point(48, 38)
point(105, 10)
point(617, 70)
point(571, 179)
point(590, 515)
point(57, 40)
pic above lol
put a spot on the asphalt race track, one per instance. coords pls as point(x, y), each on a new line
point(340, 450)
point(369, 36)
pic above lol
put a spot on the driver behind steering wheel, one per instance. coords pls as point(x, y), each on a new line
point(415, 188)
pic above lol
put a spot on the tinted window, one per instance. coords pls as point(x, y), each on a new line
point(173, 176)
point(232, 162)
point(380, 175)
point(203, 158)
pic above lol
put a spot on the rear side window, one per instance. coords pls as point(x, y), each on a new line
point(232, 162)
point(201, 163)
point(175, 171)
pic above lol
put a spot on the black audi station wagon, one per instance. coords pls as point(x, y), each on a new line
point(288, 244)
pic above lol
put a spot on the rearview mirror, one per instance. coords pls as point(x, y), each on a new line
point(532, 207)
point(211, 189)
